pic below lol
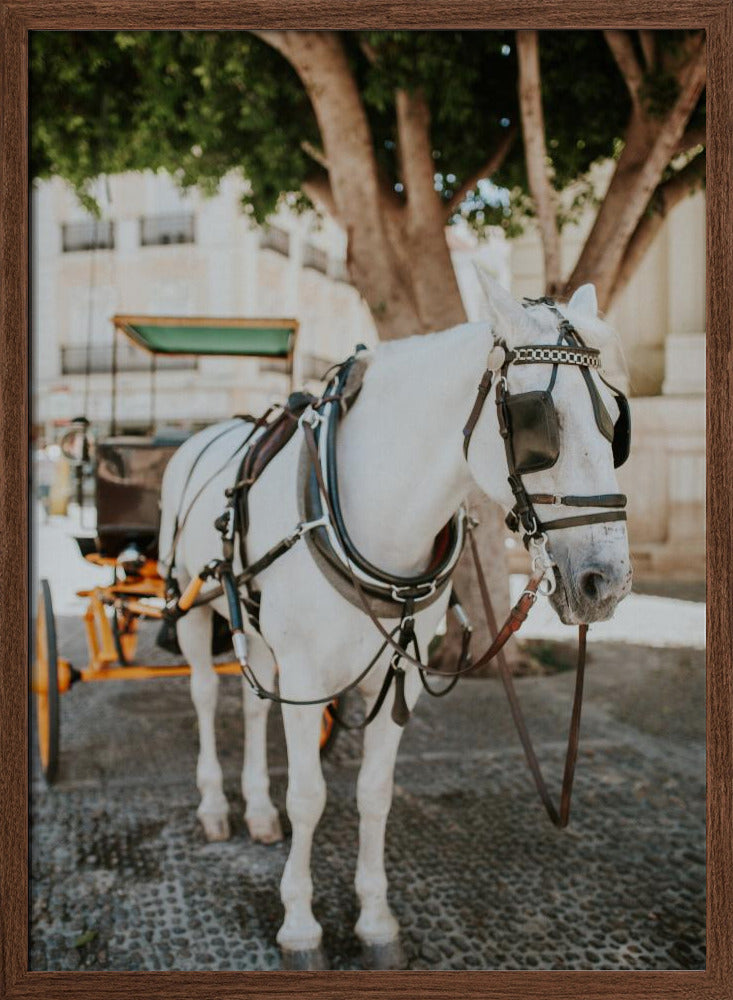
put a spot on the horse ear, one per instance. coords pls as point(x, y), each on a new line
point(585, 301)
point(506, 316)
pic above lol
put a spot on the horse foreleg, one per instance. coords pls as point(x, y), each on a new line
point(300, 934)
point(377, 927)
point(194, 638)
point(260, 814)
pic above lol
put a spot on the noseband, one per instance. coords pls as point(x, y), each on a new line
point(529, 426)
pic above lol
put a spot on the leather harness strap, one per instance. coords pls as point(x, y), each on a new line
point(500, 637)
point(484, 388)
point(559, 818)
point(600, 500)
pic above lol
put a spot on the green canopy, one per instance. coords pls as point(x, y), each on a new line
point(260, 338)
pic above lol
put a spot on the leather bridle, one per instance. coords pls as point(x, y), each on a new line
point(517, 413)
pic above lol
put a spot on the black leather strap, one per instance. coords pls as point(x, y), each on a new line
point(575, 522)
point(600, 500)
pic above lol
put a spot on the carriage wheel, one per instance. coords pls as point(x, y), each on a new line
point(46, 685)
point(124, 633)
point(329, 729)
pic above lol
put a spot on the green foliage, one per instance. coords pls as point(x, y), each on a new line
point(201, 104)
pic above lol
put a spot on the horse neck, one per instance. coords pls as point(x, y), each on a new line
point(402, 474)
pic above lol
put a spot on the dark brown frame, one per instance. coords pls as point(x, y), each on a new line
point(18, 17)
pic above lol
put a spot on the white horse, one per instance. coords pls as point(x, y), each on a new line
point(402, 475)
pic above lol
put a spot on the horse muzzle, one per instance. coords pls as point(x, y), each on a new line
point(592, 592)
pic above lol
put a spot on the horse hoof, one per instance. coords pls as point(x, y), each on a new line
point(264, 829)
point(384, 956)
point(216, 826)
point(310, 960)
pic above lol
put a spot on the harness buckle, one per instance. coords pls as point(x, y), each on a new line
point(304, 526)
point(432, 586)
point(311, 417)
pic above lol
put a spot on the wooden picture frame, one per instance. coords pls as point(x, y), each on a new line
point(19, 17)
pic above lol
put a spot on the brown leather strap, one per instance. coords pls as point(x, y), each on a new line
point(599, 500)
point(559, 819)
point(478, 405)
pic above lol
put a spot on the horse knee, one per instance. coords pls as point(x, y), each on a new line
point(204, 688)
point(374, 793)
point(306, 804)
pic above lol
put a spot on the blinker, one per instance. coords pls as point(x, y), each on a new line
point(534, 434)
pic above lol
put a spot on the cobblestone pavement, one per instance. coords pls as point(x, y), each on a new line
point(122, 877)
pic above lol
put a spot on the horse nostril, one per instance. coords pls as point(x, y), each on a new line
point(592, 585)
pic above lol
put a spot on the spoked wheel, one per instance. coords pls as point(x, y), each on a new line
point(124, 633)
point(329, 728)
point(45, 683)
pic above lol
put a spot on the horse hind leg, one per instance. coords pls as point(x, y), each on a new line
point(194, 637)
point(260, 814)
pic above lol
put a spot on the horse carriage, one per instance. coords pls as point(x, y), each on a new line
point(127, 472)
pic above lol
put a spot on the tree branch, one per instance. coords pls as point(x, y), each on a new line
point(691, 138)
point(622, 50)
point(538, 173)
point(318, 189)
point(315, 154)
point(638, 173)
point(666, 197)
point(490, 167)
point(368, 50)
point(648, 42)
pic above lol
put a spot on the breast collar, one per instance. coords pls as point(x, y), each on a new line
point(330, 541)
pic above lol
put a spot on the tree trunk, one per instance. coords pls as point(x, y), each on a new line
point(320, 62)
point(649, 148)
point(399, 259)
point(434, 281)
point(669, 194)
point(535, 151)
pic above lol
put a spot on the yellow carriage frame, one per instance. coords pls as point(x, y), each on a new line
point(112, 638)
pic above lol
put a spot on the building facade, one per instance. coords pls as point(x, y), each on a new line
point(157, 251)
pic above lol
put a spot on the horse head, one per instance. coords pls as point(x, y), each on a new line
point(559, 430)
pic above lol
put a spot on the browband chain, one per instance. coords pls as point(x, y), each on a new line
point(555, 354)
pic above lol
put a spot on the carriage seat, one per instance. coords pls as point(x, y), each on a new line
point(128, 481)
